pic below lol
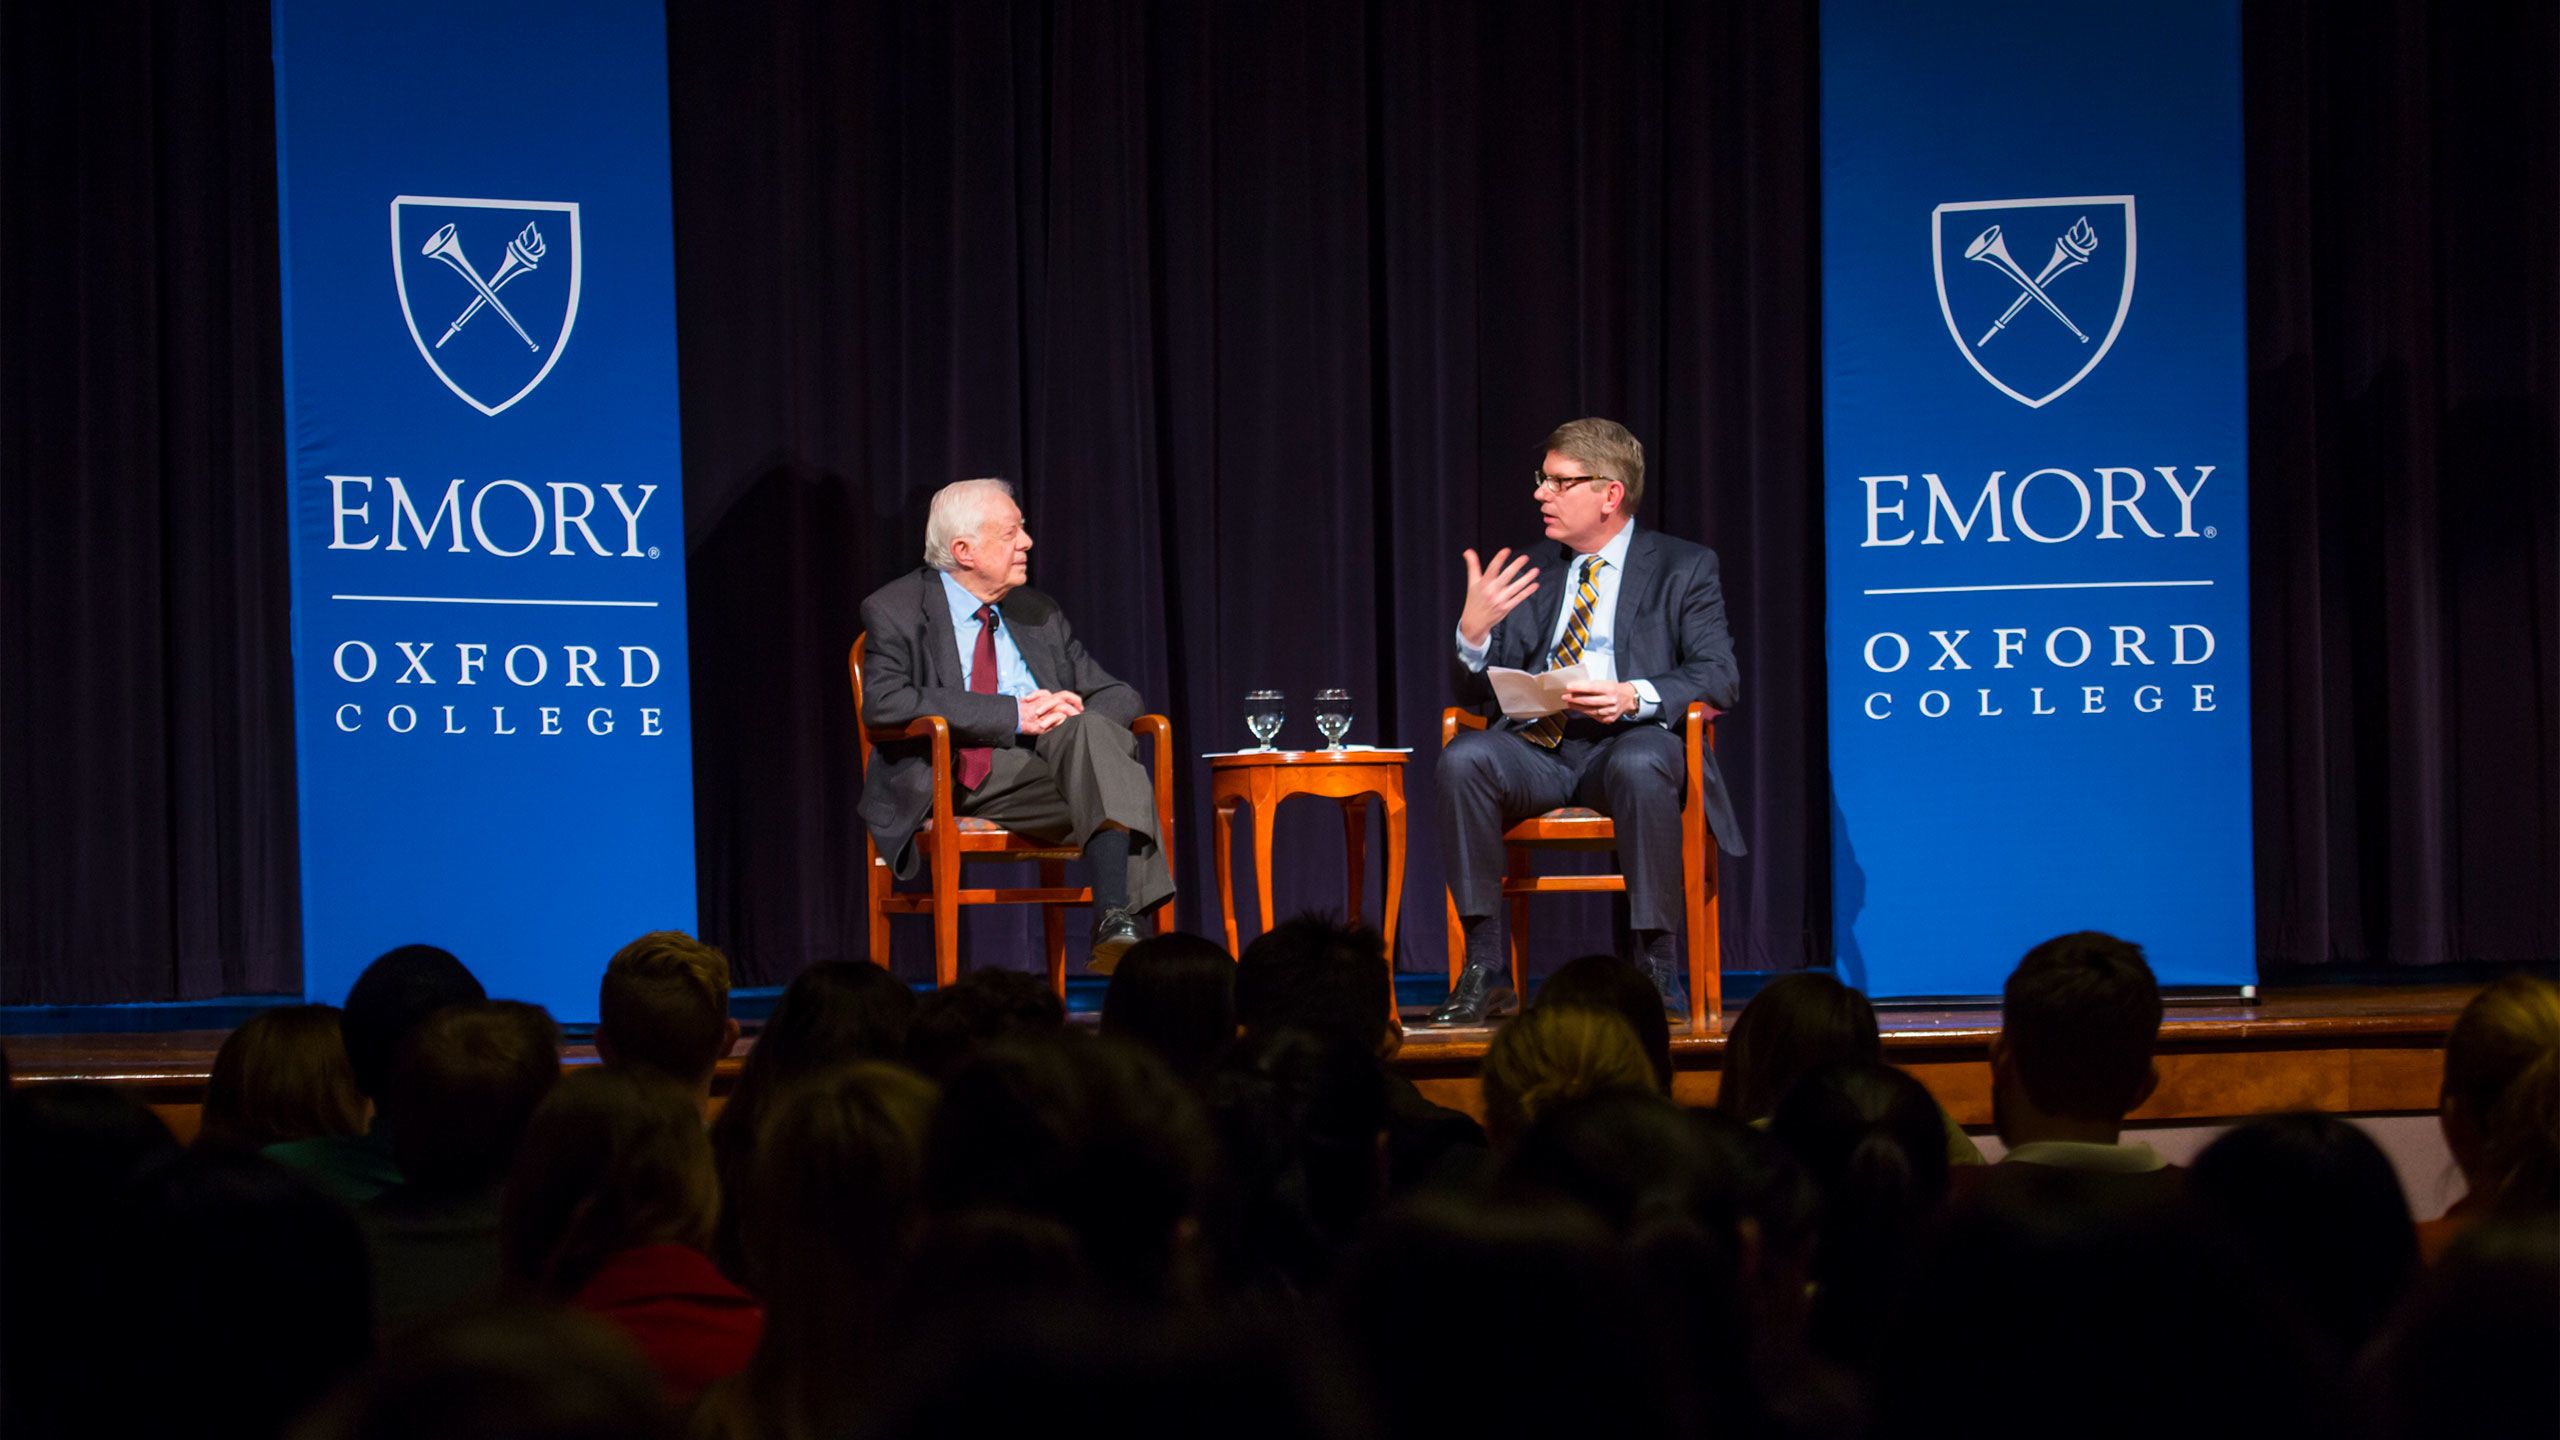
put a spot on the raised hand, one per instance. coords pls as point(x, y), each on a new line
point(1494, 590)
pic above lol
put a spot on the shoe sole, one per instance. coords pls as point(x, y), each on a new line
point(1106, 956)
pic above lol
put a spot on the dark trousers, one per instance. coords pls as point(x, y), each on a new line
point(1630, 773)
point(1069, 784)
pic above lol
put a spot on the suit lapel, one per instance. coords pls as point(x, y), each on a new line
point(1546, 605)
point(1629, 632)
point(941, 642)
point(1032, 639)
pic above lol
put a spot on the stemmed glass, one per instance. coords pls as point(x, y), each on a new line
point(1263, 710)
point(1333, 717)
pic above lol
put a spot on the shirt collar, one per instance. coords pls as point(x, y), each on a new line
point(964, 606)
point(1615, 552)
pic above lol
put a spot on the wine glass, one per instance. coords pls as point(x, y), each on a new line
point(1333, 717)
point(1263, 710)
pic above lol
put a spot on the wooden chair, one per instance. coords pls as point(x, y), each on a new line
point(1577, 828)
point(948, 839)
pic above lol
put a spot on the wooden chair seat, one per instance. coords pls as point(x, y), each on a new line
point(1579, 827)
point(946, 839)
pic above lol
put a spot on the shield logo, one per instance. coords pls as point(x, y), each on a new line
point(489, 289)
point(2032, 320)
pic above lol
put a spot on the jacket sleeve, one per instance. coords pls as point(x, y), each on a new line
point(1104, 694)
point(891, 695)
point(1706, 669)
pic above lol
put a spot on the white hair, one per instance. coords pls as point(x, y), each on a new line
point(960, 509)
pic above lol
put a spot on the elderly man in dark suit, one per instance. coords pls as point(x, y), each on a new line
point(1644, 614)
point(1041, 732)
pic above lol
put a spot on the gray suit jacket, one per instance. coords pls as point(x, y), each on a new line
point(1670, 630)
point(911, 666)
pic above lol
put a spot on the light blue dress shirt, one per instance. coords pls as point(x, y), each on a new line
point(1599, 648)
point(1013, 677)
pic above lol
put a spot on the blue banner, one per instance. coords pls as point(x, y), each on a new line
point(2034, 486)
point(488, 539)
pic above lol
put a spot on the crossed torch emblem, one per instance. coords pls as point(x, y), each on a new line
point(523, 253)
point(2071, 249)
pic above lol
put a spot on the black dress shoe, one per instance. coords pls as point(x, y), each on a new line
point(1476, 998)
point(1113, 934)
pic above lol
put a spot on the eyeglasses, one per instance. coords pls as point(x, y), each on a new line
point(1543, 482)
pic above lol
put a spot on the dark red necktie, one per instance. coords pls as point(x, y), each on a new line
point(977, 760)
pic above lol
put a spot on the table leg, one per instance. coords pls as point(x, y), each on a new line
point(1395, 871)
point(1222, 843)
point(1355, 848)
point(1265, 806)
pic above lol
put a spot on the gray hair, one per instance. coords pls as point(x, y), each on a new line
point(959, 510)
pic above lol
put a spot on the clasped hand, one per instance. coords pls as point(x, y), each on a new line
point(1042, 711)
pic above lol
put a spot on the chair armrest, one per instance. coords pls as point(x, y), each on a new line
point(923, 727)
point(1455, 719)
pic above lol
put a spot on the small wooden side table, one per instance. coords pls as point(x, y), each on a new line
point(1264, 778)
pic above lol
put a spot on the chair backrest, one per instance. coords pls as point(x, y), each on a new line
point(861, 736)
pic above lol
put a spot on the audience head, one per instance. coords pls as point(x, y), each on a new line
point(1096, 1134)
point(1320, 975)
point(664, 1006)
point(249, 1291)
point(2078, 1020)
point(1300, 1120)
point(1874, 1144)
point(1606, 982)
point(2320, 1206)
point(283, 1075)
point(981, 1007)
point(1798, 1021)
point(2470, 1354)
point(1556, 1053)
point(467, 1083)
point(513, 1373)
point(611, 1161)
point(2501, 1100)
point(399, 989)
point(834, 1013)
point(1176, 995)
point(1467, 1317)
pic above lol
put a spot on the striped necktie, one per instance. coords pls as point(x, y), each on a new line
point(1577, 632)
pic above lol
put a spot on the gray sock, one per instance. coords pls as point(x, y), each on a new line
point(1484, 942)
point(1108, 852)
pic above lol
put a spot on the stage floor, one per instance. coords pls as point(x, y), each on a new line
point(2344, 1049)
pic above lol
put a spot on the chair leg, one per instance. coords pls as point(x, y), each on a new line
point(946, 923)
point(1706, 950)
point(876, 880)
point(1457, 941)
point(1053, 928)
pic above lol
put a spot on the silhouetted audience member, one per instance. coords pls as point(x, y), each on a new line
point(1329, 979)
point(1874, 1145)
point(2500, 1105)
point(834, 1013)
point(1553, 1054)
point(67, 1148)
point(466, 1086)
point(2117, 1317)
point(514, 1372)
point(1096, 1134)
point(1494, 1320)
point(611, 1207)
point(2470, 1354)
point(1799, 1021)
point(980, 1008)
point(1301, 1123)
point(663, 1005)
point(1607, 982)
point(243, 1288)
point(282, 1076)
point(398, 990)
point(1097, 1370)
point(1176, 995)
point(2318, 1204)
point(832, 1205)
point(2078, 1020)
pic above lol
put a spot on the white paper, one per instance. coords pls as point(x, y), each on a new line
point(1528, 697)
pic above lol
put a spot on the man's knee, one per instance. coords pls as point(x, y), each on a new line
point(1473, 762)
point(1642, 761)
point(1081, 730)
